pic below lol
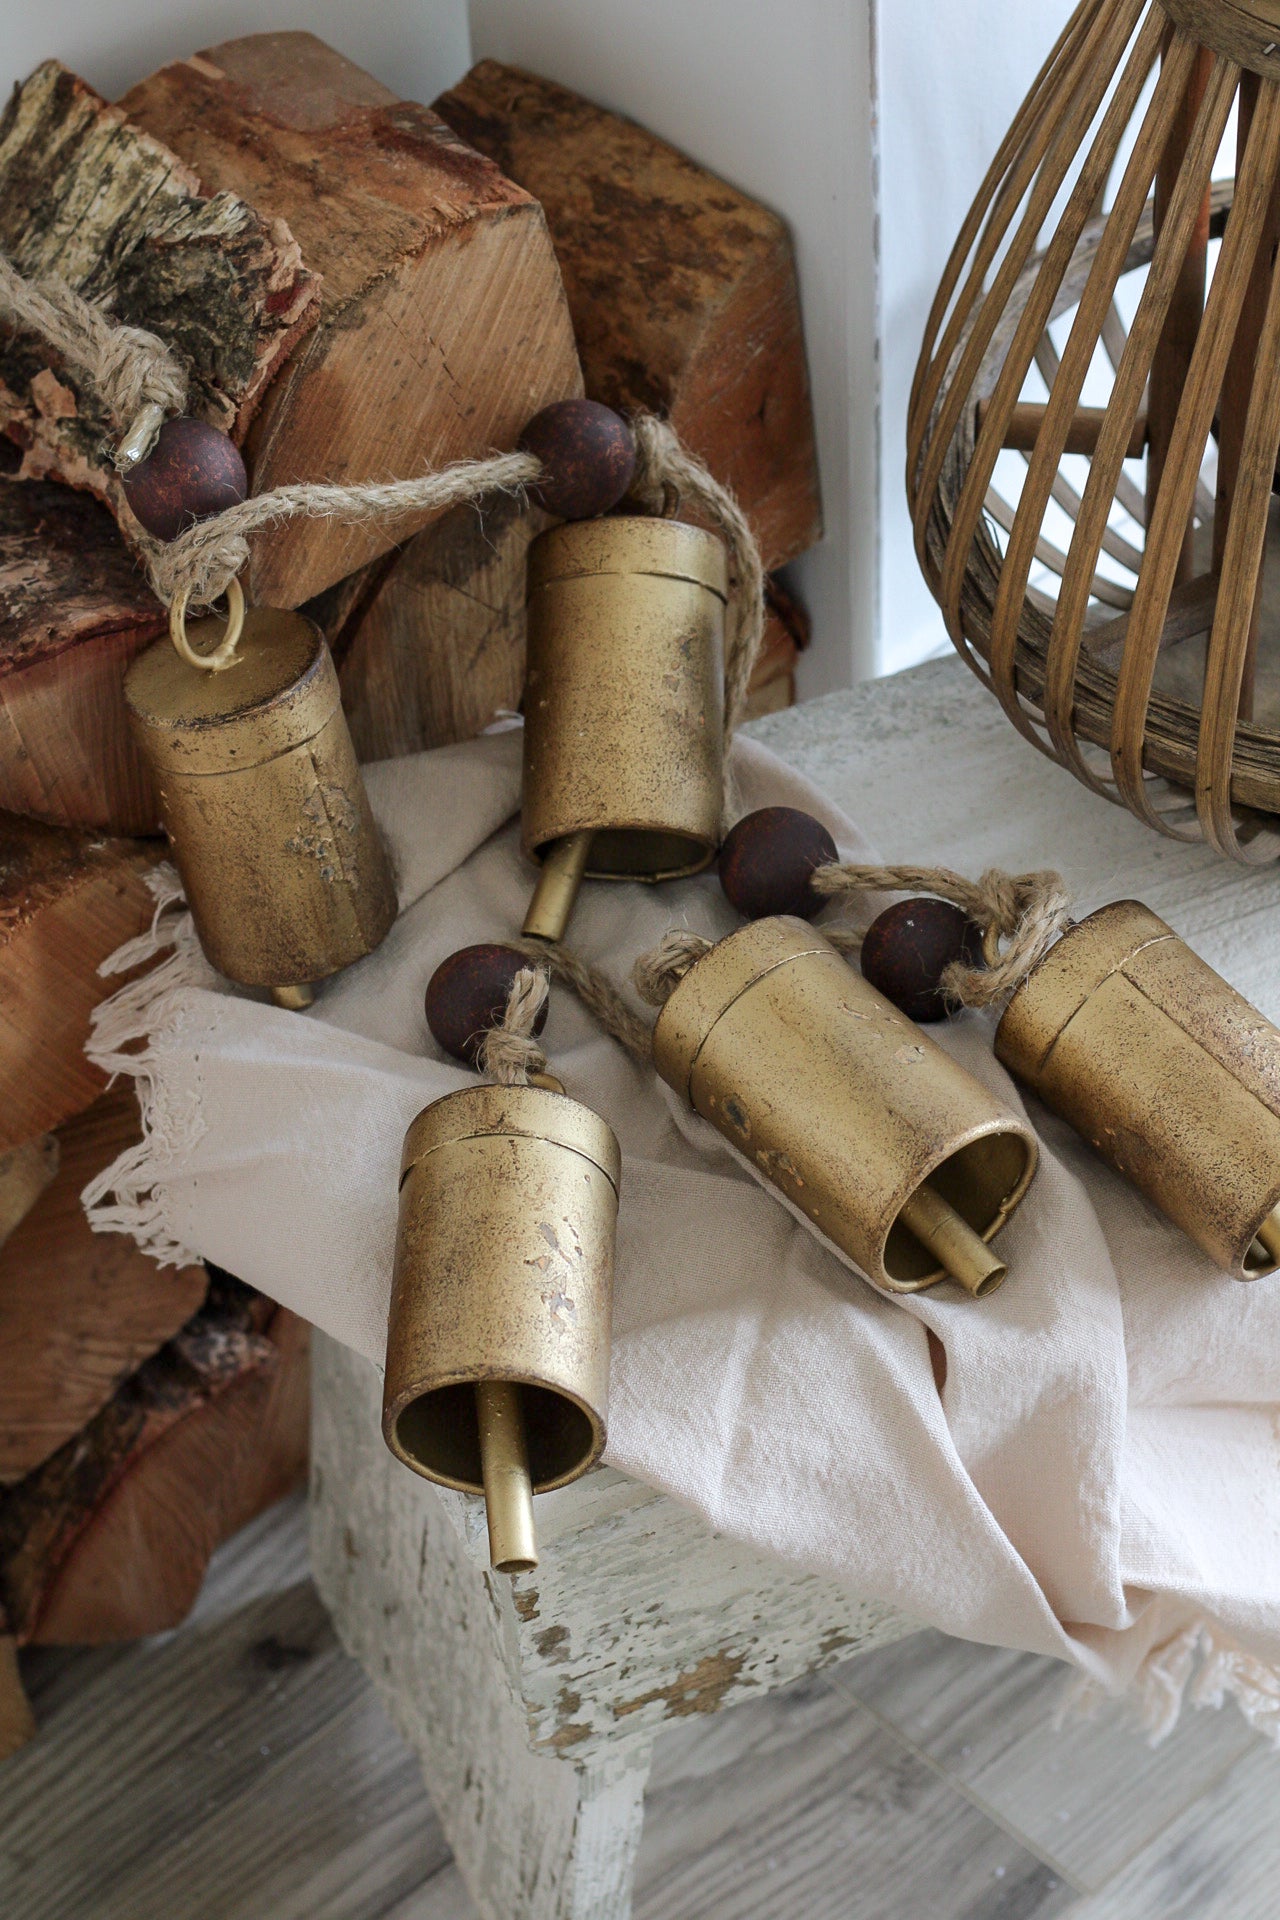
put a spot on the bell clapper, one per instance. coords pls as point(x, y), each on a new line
point(1268, 1239)
point(508, 1489)
point(952, 1241)
point(557, 888)
point(295, 999)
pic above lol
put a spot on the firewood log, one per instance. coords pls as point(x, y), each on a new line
point(67, 901)
point(79, 1311)
point(104, 206)
point(74, 611)
point(443, 320)
point(25, 1173)
point(683, 290)
point(110, 1538)
point(17, 1724)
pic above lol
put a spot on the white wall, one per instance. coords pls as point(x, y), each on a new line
point(950, 76)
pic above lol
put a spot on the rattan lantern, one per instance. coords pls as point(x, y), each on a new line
point(1095, 420)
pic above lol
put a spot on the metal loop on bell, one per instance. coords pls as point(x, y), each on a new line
point(224, 654)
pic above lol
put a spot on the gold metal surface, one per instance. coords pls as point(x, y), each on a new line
point(563, 866)
point(844, 1104)
point(264, 803)
point(139, 437)
point(209, 657)
point(508, 1489)
point(1165, 1070)
point(947, 1235)
point(623, 734)
point(503, 1272)
point(294, 999)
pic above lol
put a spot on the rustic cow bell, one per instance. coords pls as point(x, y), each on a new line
point(860, 1120)
point(263, 801)
point(498, 1340)
point(1166, 1071)
point(624, 700)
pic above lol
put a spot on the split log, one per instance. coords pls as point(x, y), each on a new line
point(683, 290)
point(110, 1539)
point(74, 611)
point(103, 205)
point(786, 635)
point(79, 1311)
point(25, 1173)
point(17, 1723)
point(443, 320)
point(67, 901)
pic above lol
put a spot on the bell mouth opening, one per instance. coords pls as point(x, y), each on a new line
point(438, 1435)
point(643, 853)
point(1263, 1256)
point(983, 1183)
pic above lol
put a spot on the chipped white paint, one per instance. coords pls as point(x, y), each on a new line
point(534, 1703)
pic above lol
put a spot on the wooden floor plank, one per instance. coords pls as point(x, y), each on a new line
point(801, 1805)
point(1085, 1798)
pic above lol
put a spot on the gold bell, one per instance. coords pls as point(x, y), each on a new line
point(498, 1340)
point(262, 799)
point(623, 733)
point(889, 1146)
point(1165, 1070)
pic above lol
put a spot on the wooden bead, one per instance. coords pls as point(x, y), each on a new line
point(467, 995)
point(909, 947)
point(768, 858)
point(192, 471)
point(588, 455)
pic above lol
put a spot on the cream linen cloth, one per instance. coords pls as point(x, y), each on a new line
point(1099, 1477)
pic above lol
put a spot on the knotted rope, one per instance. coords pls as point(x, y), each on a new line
point(1019, 915)
point(128, 368)
point(509, 1054)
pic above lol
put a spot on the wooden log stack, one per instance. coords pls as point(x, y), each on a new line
point(360, 287)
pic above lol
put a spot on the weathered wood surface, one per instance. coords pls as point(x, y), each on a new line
point(79, 1311)
point(67, 901)
point(110, 1538)
point(99, 203)
point(683, 290)
point(17, 1723)
point(26, 1172)
point(74, 612)
point(443, 320)
point(534, 1703)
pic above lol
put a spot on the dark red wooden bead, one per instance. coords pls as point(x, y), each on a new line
point(588, 455)
point(192, 471)
point(467, 995)
point(909, 947)
point(767, 861)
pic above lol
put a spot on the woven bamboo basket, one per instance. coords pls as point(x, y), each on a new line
point(1095, 421)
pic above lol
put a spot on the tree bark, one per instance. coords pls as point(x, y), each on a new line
point(74, 612)
point(101, 204)
point(67, 901)
point(79, 1311)
point(443, 322)
point(110, 1538)
point(683, 290)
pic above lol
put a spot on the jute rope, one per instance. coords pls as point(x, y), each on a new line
point(128, 368)
point(509, 1053)
point(131, 369)
point(1020, 916)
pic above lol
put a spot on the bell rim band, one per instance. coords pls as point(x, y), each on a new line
point(584, 1130)
point(225, 654)
point(394, 1408)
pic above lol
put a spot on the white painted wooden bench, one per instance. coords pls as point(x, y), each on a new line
point(534, 1703)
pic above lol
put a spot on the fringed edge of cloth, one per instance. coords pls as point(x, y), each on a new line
point(126, 1036)
point(1198, 1667)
